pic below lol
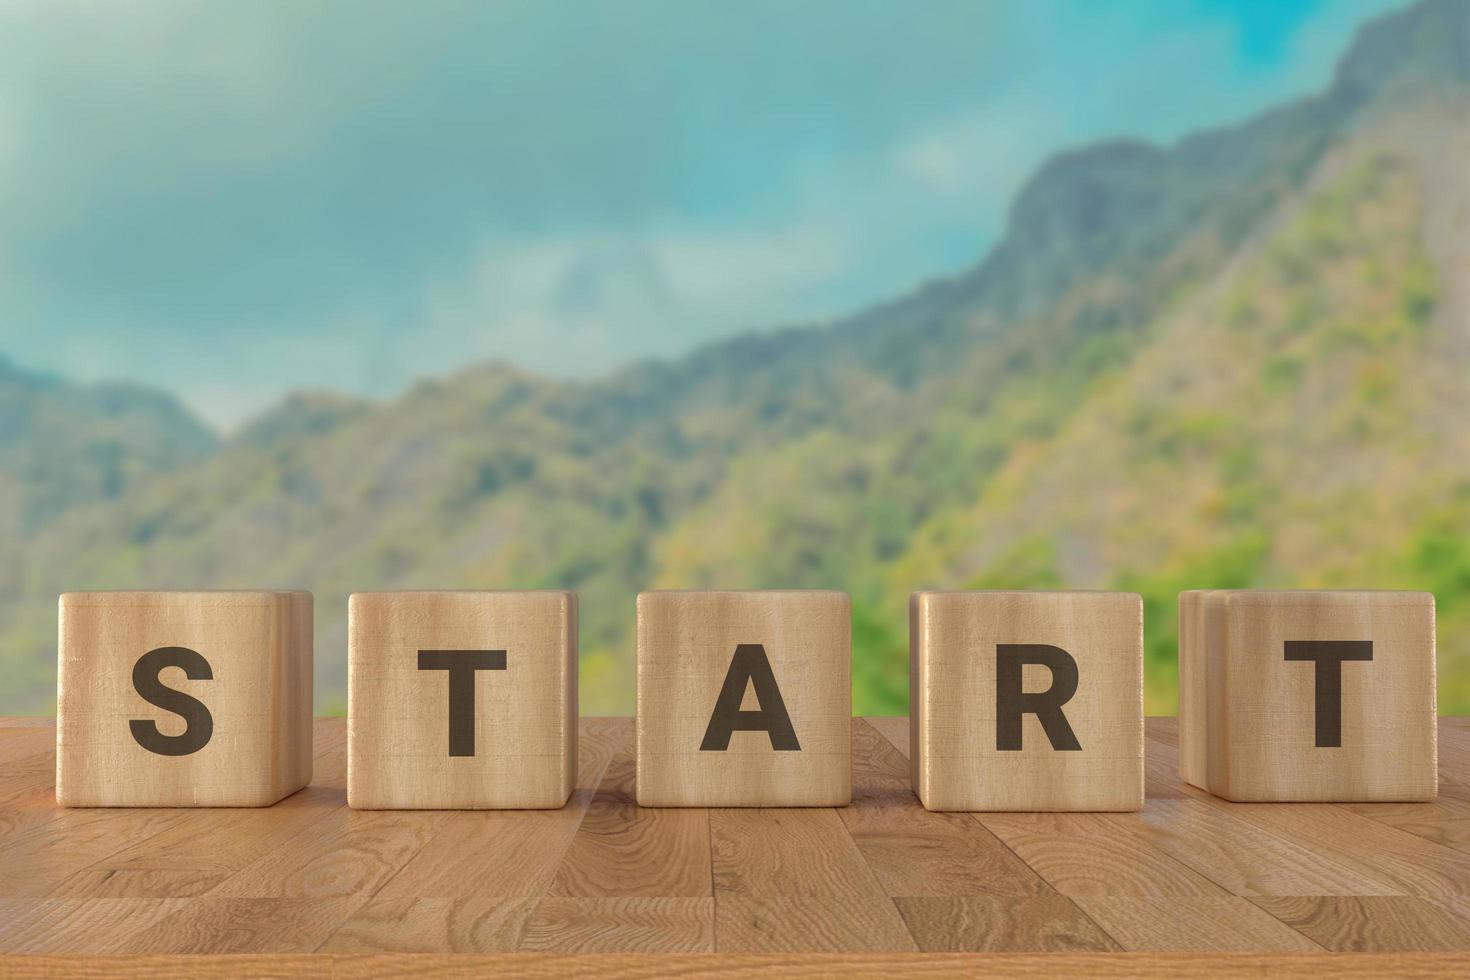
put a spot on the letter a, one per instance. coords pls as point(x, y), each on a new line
point(750, 666)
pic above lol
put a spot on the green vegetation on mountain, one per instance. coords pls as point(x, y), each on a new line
point(1238, 361)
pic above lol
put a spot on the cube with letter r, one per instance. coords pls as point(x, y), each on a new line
point(1026, 700)
point(461, 699)
point(744, 698)
point(1308, 695)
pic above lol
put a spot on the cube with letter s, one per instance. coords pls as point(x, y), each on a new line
point(183, 698)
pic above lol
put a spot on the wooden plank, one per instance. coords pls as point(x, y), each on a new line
point(1097, 854)
point(895, 729)
point(351, 854)
point(508, 854)
point(36, 860)
point(243, 925)
point(643, 967)
point(623, 850)
point(621, 925)
point(1344, 923)
point(1409, 865)
point(1161, 776)
point(75, 926)
point(797, 924)
point(1050, 923)
point(208, 846)
point(1246, 860)
point(433, 925)
point(914, 851)
point(1209, 924)
point(1445, 821)
point(764, 854)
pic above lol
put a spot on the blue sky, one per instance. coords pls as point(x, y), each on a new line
point(232, 200)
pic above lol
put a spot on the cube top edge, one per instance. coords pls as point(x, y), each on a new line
point(741, 592)
point(1406, 597)
point(84, 596)
point(453, 593)
point(1022, 592)
point(1310, 593)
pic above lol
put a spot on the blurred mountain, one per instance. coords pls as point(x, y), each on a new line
point(64, 445)
point(1239, 360)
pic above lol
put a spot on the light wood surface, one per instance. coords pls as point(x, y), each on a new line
point(461, 700)
point(766, 656)
point(1191, 873)
point(237, 666)
point(1252, 724)
point(1079, 749)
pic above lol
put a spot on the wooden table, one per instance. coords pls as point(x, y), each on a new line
point(1191, 874)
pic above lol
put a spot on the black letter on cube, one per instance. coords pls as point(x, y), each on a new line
point(750, 666)
point(1011, 702)
point(199, 723)
point(1329, 655)
point(461, 665)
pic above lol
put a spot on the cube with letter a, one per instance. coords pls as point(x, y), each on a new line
point(183, 698)
point(1026, 700)
point(461, 700)
point(744, 699)
point(1308, 696)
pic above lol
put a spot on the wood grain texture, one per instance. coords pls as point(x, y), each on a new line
point(958, 694)
point(1444, 821)
point(1248, 715)
point(1096, 854)
point(1002, 925)
point(257, 649)
point(1376, 924)
point(433, 925)
point(1412, 966)
point(882, 877)
point(621, 925)
point(520, 716)
point(914, 851)
point(1197, 924)
point(759, 855)
point(624, 850)
point(687, 646)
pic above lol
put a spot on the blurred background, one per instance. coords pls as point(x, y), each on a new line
point(615, 296)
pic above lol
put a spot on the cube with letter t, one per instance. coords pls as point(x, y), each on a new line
point(744, 699)
point(183, 698)
point(461, 700)
point(1308, 696)
point(1026, 700)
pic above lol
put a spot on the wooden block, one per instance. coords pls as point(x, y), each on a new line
point(744, 699)
point(1308, 696)
point(183, 698)
point(1026, 700)
point(461, 700)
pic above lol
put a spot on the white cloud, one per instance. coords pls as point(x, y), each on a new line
point(569, 304)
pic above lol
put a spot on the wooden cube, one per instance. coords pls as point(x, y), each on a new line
point(461, 700)
point(744, 699)
point(1307, 696)
point(1026, 700)
point(183, 698)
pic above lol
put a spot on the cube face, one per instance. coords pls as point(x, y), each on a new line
point(996, 723)
point(183, 698)
point(461, 700)
point(1308, 696)
point(720, 674)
